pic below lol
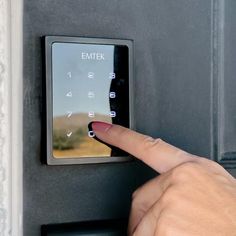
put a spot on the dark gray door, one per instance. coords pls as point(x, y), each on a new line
point(184, 93)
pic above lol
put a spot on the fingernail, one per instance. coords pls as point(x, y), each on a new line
point(100, 126)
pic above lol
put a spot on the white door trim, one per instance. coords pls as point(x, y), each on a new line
point(11, 111)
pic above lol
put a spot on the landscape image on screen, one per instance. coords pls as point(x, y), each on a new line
point(70, 137)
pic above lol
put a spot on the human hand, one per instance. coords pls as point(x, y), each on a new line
point(192, 196)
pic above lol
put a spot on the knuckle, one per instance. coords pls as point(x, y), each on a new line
point(185, 172)
point(150, 143)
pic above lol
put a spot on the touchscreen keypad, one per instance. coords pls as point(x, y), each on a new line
point(90, 81)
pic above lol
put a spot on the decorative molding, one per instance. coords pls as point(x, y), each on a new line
point(217, 71)
point(10, 118)
point(227, 159)
point(5, 153)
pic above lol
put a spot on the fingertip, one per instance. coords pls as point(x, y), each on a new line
point(99, 126)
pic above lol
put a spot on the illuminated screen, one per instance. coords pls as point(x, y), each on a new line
point(89, 82)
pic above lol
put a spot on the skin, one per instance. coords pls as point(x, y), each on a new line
point(192, 196)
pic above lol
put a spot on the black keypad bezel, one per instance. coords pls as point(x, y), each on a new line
point(124, 59)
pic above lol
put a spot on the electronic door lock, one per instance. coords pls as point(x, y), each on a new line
point(87, 79)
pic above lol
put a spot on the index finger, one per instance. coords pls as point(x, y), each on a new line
point(156, 153)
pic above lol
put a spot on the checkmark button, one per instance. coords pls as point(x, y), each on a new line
point(69, 134)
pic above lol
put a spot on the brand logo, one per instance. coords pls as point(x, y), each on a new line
point(92, 56)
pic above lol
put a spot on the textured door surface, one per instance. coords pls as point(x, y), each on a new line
point(183, 53)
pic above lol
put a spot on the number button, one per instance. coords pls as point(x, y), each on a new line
point(112, 75)
point(69, 114)
point(91, 134)
point(112, 95)
point(91, 75)
point(91, 114)
point(69, 94)
point(112, 114)
point(91, 94)
point(69, 75)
